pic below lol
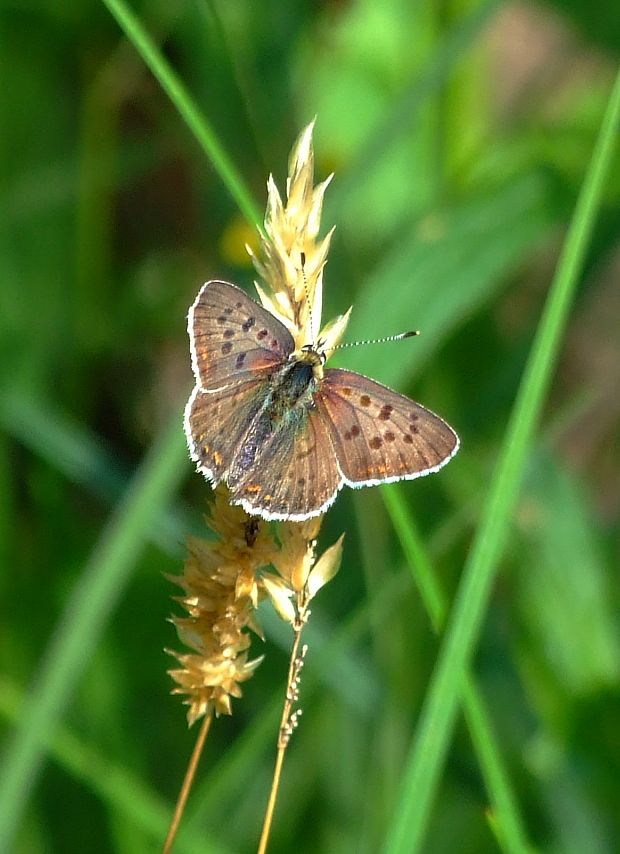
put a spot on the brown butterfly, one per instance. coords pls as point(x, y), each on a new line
point(283, 433)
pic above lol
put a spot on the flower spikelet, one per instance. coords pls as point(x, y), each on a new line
point(300, 573)
point(220, 594)
point(292, 255)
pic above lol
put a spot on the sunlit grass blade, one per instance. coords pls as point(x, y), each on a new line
point(80, 626)
point(507, 821)
point(442, 701)
point(187, 107)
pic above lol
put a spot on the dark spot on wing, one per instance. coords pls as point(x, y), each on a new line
point(240, 360)
point(347, 391)
point(239, 305)
point(222, 318)
point(414, 429)
point(262, 334)
point(389, 436)
point(407, 438)
point(355, 430)
point(229, 333)
point(248, 324)
point(365, 400)
point(274, 343)
point(375, 443)
point(226, 348)
point(229, 310)
point(385, 412)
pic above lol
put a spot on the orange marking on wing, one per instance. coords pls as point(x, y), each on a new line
point(379, 469)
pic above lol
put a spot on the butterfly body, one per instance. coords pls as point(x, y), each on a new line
point(284, 433)
point(288, 398)
point(291, 394)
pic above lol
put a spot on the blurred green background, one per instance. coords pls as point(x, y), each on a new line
point(460, 133)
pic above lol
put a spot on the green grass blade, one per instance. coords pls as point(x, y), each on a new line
point(80, 626)
point(187, 107)
point(416, 555)
point(441, 705)
point(507, 823)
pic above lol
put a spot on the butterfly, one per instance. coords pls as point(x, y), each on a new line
point(283, 433)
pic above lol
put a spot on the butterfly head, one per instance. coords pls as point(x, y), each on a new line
point(313, 355)
point(316, 354)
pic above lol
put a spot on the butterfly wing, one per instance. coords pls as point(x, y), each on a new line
point(217, 422)
point(232, 337)
point(379, 435)
point(292, 471)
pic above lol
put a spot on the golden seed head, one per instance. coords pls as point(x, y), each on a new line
point(220, 594)
point(292, 256)
point(302, 574)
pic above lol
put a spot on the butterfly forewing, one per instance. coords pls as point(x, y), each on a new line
point(232, 337)
point(378, 434)
point(217, 422)
point(294, 475)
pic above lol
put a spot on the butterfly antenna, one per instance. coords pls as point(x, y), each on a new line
point(302, 256)
point(411, 334)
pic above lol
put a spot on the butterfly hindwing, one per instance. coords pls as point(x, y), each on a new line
point(233, 338)
point(379, 435)
point(217, 422)
point(294, 475)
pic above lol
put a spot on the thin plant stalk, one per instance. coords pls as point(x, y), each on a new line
point(188, 782)
point(288, 721)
